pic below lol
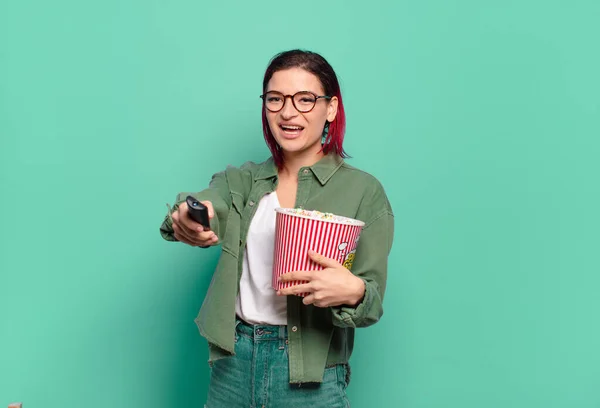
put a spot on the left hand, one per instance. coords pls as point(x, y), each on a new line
point(333, 286)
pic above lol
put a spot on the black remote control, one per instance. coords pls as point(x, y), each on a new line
point(198, 212)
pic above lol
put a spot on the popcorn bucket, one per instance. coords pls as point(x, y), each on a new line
point(298, 231)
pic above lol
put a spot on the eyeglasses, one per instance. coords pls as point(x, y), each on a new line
point(303, 101)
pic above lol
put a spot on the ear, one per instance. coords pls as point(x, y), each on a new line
point(332, 109)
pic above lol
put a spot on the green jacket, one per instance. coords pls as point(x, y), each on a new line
point(318, 337)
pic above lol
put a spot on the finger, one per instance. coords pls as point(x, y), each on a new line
point(297, 276)
point(212, 241)
point(309, 300)
point(181, 238)
point(204, 236)
point(177, 229)
point(323, 260)
point(176, 217)
point(320, 300)
point(181, 210)
point(296, 289)
point(199, 239)
point(194, 238)
point(187, 223)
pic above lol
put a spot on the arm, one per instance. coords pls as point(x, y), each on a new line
point(354, 297)
point(217, 193)
point(371, 260)
point(370, 265)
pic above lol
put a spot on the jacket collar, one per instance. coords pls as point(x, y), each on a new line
point(323, 170)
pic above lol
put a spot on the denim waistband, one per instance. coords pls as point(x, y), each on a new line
point(261, 331)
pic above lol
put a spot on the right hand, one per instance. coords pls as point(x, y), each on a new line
point(190, 232)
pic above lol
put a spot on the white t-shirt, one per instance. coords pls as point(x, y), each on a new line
point(257, 301)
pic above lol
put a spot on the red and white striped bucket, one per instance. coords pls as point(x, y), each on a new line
point(298, 231)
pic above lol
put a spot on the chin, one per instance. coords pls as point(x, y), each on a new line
point(301, 147)
point(291, 145)
point(294, 145)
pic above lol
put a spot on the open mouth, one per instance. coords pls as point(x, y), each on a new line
point(291, 130)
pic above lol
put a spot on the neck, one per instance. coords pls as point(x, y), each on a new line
point(293, 162)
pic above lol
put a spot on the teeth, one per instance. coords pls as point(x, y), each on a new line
point(292, 127)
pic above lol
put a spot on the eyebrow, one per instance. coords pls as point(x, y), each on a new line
point(304, 90)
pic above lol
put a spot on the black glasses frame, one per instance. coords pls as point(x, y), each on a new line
point(317, 97)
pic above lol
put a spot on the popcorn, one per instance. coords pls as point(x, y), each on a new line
point(312, 214)
point(322, 216)
point(298, 230)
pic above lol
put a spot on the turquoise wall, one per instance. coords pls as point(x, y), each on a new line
point(481, 119)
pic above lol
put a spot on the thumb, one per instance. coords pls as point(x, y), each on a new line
point(209, 206)
point(322, 260)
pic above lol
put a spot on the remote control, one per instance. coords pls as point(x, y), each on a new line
point(198, 212)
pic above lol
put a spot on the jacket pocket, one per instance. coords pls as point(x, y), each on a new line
point(238, 202)
point(231, 241)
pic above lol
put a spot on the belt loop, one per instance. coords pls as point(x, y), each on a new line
point(235, 330)
point(282, 337)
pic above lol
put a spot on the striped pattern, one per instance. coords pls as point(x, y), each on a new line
point(295, 236)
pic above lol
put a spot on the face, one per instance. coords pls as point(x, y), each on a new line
point(297, 132)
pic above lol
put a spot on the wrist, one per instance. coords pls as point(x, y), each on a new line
point(359, 293)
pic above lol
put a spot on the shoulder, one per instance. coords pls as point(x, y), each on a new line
point(360, 175)
point(370, 184)
point(374, 202)
point(247, 169)
point(250, 167)
point(240, 179)
point(254, 167)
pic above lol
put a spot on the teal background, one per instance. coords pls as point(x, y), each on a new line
point(480, 118)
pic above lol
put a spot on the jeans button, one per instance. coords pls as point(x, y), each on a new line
point(259, 332)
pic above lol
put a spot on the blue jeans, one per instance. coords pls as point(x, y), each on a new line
point(258, 375)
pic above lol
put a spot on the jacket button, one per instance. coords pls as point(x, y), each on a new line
point(251, 203)
point(294, 329)
point(305, 171)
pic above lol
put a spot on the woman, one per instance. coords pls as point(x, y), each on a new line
point(269, 349)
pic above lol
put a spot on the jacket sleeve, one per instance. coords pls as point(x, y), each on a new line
point(218, 193)
point(370, 263)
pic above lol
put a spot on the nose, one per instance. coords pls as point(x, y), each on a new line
point(289, 110)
